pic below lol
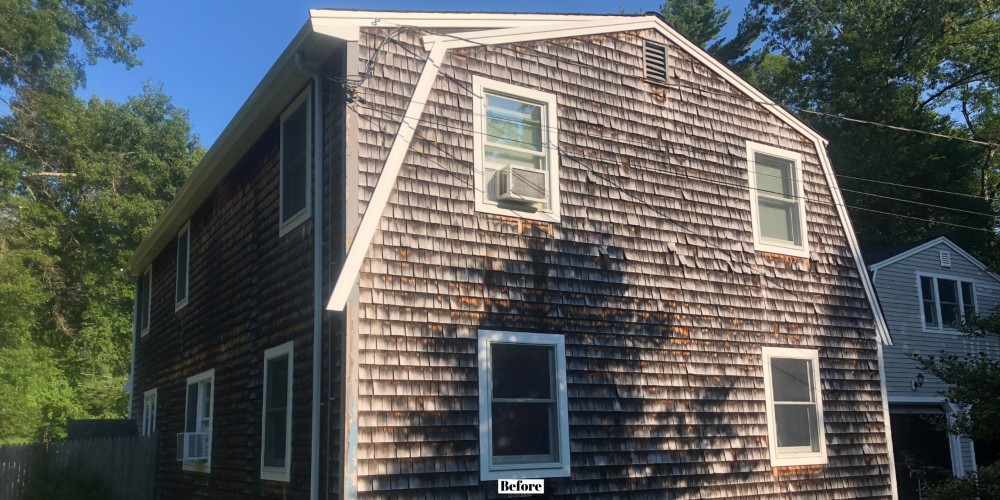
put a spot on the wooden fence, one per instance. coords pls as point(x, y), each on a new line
point(127, 465)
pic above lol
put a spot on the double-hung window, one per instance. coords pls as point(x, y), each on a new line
point(295, 163)
point(945, 301)
point(143, 301)
point(516, 158)
point(183, 261)
point(276, 449)
point(794, 406)
point(149, 412)
point(524, 426)
point(198, 421)
point(777, 204)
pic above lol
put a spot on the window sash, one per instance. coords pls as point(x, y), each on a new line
point(535, 156)
point(295, 158)
point(781, 414)
point(936, 310)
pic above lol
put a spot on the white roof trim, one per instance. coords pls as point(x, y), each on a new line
point(881, 327)
point(924, 246)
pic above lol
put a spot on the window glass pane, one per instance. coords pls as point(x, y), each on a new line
point(779, 220)
point(797, 426)
point(523, 429)
point(927, 288)
point(968, 299)
point(522, 371)
point(145, 287)
point(294, 145)
point(182, 265)
point(206, 409)
point(791, 379)
point(774, 175)
point(277, 382)
point(930, 313)
point(513, 123)
point(948, 297)
point(191, 423)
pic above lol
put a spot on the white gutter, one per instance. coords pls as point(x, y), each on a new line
point(387, 180)
point(317, 354)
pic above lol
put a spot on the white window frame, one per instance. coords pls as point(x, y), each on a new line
point(147, 279)
point(769, 245)
point(779, 457)
point(179, 304)
point(488, 470)
point(550, 144)
point(292, 221)
point(149, 412)
point(209, 375)
point(278, 473)
point(940, 326)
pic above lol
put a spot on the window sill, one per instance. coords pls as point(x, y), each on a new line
point(525, 471)
point(801, 252)
point(180, 305)
point(796, 460)
point(551, 216)
point(143, 333)
point(275, 474)
point(293, 222)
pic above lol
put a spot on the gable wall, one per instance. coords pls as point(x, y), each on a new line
point(663, 337)
point(899, 295)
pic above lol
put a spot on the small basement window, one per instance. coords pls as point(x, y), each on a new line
point(295, 162)
point(517, 161)
point(524, 424)
point(656, 61)
point(777, 203)
point(794, 406)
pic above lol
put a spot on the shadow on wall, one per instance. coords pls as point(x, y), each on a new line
point(645, 412)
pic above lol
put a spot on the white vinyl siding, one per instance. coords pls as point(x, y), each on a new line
point(794, 406)
point(524, 425)
point(777, 202)
point(515, 131)
point(276, 426)
point(295, 162)
point(183, 263)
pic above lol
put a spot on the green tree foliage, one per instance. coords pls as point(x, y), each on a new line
point(701, 21)
point(80, 184)
point(73, 210)
point(982, 483)
point(911, 63)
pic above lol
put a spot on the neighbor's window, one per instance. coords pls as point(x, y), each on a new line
point(295, 161)
point(198, 417)
point(794, 406)
point(777, 203)
point(183, 259)
point(276, 449)
point(143, 301)
point(516, 162)
point(946, 301)
point(524, 429)
point(149, 412)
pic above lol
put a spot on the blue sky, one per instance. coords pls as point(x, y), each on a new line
point(209, 55)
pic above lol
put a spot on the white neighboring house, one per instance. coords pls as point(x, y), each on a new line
point(923, 289)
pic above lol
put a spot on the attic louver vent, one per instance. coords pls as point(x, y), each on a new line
point(656, 62)
point(945, 258)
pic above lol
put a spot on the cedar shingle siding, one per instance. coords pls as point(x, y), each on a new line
point(651, 276)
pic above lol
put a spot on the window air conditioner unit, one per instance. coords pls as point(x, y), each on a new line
point(192, 446)
point(522, 184)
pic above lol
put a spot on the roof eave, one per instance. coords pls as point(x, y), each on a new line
point(279, 85)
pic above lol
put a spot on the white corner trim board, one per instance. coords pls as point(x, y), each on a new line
point(386, 181)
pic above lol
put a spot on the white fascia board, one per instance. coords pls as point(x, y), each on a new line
point(386, 182)
point(881, 328)
point(936, 241)
point(280, 84)
point(471, 20)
